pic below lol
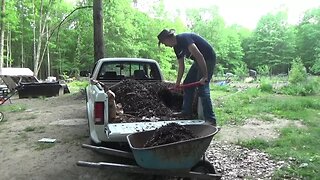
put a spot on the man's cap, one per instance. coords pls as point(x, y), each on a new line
point(164, 34)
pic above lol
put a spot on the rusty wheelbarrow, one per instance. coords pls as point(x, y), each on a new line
point(183, 159)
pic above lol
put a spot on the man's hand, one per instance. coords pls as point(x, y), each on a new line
point(177, 87)
point(203, 80)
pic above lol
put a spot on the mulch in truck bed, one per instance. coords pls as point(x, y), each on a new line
point(140, 100)
point(147, 101)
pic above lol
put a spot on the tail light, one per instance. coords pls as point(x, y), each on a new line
point(99, 113)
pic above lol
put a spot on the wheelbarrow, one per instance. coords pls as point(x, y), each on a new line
point(184, 159)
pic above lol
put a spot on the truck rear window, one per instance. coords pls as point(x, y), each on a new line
point(129, 70)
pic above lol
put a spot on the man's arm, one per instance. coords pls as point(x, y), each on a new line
point(180, 70)
point(200, 60)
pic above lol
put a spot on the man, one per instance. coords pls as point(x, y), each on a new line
point(190, 45)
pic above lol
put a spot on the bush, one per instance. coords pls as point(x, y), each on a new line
point(310, 87)
point(241, 71)
point(264, 70)
point(266, 86)
point(76, 86)
point(316, 66)
point(298, 72)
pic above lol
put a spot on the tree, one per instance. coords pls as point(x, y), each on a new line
point(2, 32)
point(272, 43)
point(225, 40)
point(308, 38)
point(98, 30)
point(297, 73)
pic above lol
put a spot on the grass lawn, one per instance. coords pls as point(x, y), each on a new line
point(299, 146)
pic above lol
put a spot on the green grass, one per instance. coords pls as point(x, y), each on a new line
point(300, 144)
point(29, 129)
point(76, 86)
point(27, 117)
point(13, 108)
point(37, 129)
point(42, 146)
point(235, 106)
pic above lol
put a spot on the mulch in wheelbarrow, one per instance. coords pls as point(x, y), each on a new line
point(169, 133)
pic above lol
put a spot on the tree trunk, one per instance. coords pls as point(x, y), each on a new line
point(22, 46)
point(7, 49)
point(10, 49)
point(34, 34)
point(42, 26)
point(48, 53)
point(2, 33)
point(8, 62)
point(39, 42)
point(98, 30)
point(22, 33)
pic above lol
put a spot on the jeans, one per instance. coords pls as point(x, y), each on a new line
point(193, 75)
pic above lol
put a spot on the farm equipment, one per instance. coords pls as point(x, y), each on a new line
point(183, 159)
point(32, 86)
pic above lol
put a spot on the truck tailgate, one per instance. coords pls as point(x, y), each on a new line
point(119, 131)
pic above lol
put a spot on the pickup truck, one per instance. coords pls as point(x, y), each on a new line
point(110, 71)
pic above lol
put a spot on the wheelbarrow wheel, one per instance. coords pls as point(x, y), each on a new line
point(203, 166)
point(1, 116)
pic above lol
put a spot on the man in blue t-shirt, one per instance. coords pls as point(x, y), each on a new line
point(193, 46)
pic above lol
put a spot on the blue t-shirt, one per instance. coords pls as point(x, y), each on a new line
point(185, 39)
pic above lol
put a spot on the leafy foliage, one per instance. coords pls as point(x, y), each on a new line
point(266, 86)
point(131, 32)
point(272, 43)
point(241, 71)
point(298, 72)
point(226, 40)
point(264, 70)
point(308, 38)
point(304, 88)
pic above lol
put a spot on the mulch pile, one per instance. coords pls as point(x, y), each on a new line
point(147, 101)
point(169, 133)
point(140, 100)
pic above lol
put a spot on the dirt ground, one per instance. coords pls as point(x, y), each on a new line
point(64, 119)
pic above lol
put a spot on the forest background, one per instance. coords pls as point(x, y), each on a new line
point(55, 38)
